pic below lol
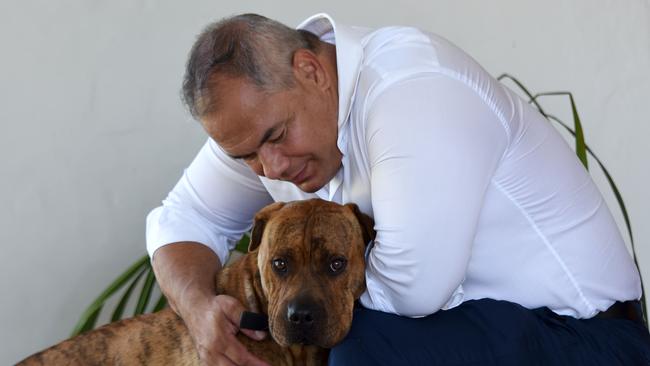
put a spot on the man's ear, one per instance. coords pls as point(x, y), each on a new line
point(308, 67)
point(366, 222)
point(261, 218)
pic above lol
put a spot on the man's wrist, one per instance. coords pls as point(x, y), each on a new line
point(192, 298)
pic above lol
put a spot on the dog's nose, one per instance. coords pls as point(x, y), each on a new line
point(304, 320)
point(300, 314)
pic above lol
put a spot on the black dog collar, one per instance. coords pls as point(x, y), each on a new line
point(253, 321)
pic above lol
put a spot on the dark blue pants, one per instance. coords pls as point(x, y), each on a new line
point(490, 332)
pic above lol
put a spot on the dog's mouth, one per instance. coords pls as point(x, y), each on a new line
point(304, 337)
point(295, 335)
point(321, 336)
point(286, 334)
point(303, 341)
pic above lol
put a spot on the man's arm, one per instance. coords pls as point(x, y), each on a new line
point(433, 145)
point(189, 238)
point(186, 273)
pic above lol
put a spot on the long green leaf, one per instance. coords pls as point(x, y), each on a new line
point(160, 304)
point(580, 136)
point(242, 245)
point(145, 294)
point(119, 309)
point(89, 317)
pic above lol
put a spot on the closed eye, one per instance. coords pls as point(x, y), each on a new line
point(270, 136)
point(280, 137)
point(252, 156)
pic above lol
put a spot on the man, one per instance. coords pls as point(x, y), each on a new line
point(493, 244)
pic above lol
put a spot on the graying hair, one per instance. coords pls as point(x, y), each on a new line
point(248, 45)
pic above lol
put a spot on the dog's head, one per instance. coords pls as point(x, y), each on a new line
point(311, 262)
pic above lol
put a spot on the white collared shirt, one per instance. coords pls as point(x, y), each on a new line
point(474, 194)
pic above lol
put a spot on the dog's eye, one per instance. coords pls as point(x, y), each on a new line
point(279, 265)
point(337, 265)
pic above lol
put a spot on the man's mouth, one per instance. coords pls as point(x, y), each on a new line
point(300, 176)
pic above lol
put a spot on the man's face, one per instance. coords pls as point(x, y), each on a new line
point(288, 135)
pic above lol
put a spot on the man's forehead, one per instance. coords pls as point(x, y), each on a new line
point(244, 115)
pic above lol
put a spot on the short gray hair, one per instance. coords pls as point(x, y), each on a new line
point(248, 45)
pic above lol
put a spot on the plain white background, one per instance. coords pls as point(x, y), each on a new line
point(94, 135)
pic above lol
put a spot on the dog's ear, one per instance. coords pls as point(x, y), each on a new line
point(261, 218)
point(366, 222)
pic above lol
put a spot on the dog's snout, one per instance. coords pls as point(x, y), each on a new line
point(300, 315)
point(305, 319)
point(304, 312)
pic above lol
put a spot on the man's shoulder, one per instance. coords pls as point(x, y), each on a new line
point(393, 54)
point(410, 49)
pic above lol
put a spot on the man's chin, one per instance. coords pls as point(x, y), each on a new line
point(309, 186)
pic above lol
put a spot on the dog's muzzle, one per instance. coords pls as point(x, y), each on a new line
point(304, 321)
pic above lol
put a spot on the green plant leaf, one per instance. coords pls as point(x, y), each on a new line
point(242, 245)
point(89, 317)
point(89, 321)
point(160, 304)
point(119, 309)
point(580, 137)
point(145, 294)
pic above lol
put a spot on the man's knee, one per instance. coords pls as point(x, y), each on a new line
point(350, 352)
point(368, 342)
point(448, 337)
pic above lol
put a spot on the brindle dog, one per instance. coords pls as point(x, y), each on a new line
point(304, 269)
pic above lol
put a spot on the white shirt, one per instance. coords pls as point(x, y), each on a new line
point(474, 194)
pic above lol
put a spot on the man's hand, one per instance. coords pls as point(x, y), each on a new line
point(186, 274)
point(213, 325)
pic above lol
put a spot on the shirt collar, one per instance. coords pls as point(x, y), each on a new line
point(349, 54)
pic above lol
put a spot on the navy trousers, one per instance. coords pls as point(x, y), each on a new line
point(490, 332)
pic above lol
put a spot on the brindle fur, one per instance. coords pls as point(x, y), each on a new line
point(309, 231)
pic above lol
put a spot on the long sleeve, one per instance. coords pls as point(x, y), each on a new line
point(433, 145)
point(213, 203)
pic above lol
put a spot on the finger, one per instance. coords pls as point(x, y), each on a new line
point(238, 354)
point(220, 360)
point(254, 361)
point(232, 309)
point(257, 335)
point(214, 359)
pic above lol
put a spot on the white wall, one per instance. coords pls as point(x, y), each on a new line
point(93, 133)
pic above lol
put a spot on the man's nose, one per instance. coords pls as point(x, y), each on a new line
point(274, 163)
